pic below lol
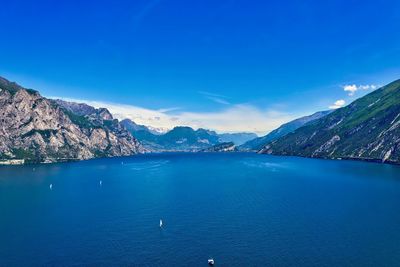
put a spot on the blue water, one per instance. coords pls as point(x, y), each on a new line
point(241, 209)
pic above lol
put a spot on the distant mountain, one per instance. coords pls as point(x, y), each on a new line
point(178, 139)
point(258, 143)
point(37, 129)
point(157, 130)
point(187, 138)
point(181, 138)
point(237, 138)
point(367, 129)
point(133, 127)
point(222, 147)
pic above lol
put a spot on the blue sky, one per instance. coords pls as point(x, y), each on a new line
point(226, 65)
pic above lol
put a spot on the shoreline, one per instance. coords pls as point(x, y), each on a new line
point(370, 160)
point(17, 162)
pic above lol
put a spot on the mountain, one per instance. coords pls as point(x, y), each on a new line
point(187, 139)
point(222, 147)
point(133, 127)
point(182, 138)
point(36, 129)
point(237, 138)
point(367, 129)
point(178, 139)
point(258, 143)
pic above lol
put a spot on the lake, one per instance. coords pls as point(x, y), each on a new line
point(241, 209)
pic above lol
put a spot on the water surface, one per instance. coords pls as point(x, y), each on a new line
point(242, 209)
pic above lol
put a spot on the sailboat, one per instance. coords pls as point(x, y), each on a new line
point(101, 182)
point(161, 224)
point(51, 186)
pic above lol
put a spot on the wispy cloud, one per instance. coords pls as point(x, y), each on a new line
point(139, 16)
point(353, 88)
point(235, 118)
point(217, 98)
point(338, 104)
point(166, 110)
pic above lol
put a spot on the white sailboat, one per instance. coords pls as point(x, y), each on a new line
point(161, 223)
point(101, 182)
point(51, 186)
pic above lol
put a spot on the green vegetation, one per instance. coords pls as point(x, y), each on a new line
point(46, 134)
point(81, 121)
point(21, 153)
point(365, 129)
point(258, 143)
point(13, 87)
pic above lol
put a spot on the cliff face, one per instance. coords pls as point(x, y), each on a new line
point(367, 129)
point(41, 130)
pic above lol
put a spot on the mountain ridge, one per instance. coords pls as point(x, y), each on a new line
point(366, 129)
point(258, 143)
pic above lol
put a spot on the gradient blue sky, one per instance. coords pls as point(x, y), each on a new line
point(222, 64)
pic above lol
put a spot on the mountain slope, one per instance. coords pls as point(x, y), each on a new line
point(237, 138)
point(367, 129)
point(258, 143)
point(38, 129)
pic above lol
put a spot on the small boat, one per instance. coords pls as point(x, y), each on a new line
point(161, 224)
point(211, 262)
point(51, 186)
point(101, 183)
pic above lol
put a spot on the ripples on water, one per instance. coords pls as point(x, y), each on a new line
point(241, 209)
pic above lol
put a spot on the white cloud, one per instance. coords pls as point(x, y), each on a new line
point(352, 88)
point(235, 118)
point(338, 104)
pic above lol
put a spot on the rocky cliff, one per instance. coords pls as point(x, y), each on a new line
point(38, 129)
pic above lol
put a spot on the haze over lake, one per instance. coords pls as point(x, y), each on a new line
point(242, 209)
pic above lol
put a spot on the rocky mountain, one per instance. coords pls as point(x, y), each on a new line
point(79, 109)
point(366, 129)
point(258, 143)
point(222, 147)
point(37, 129)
